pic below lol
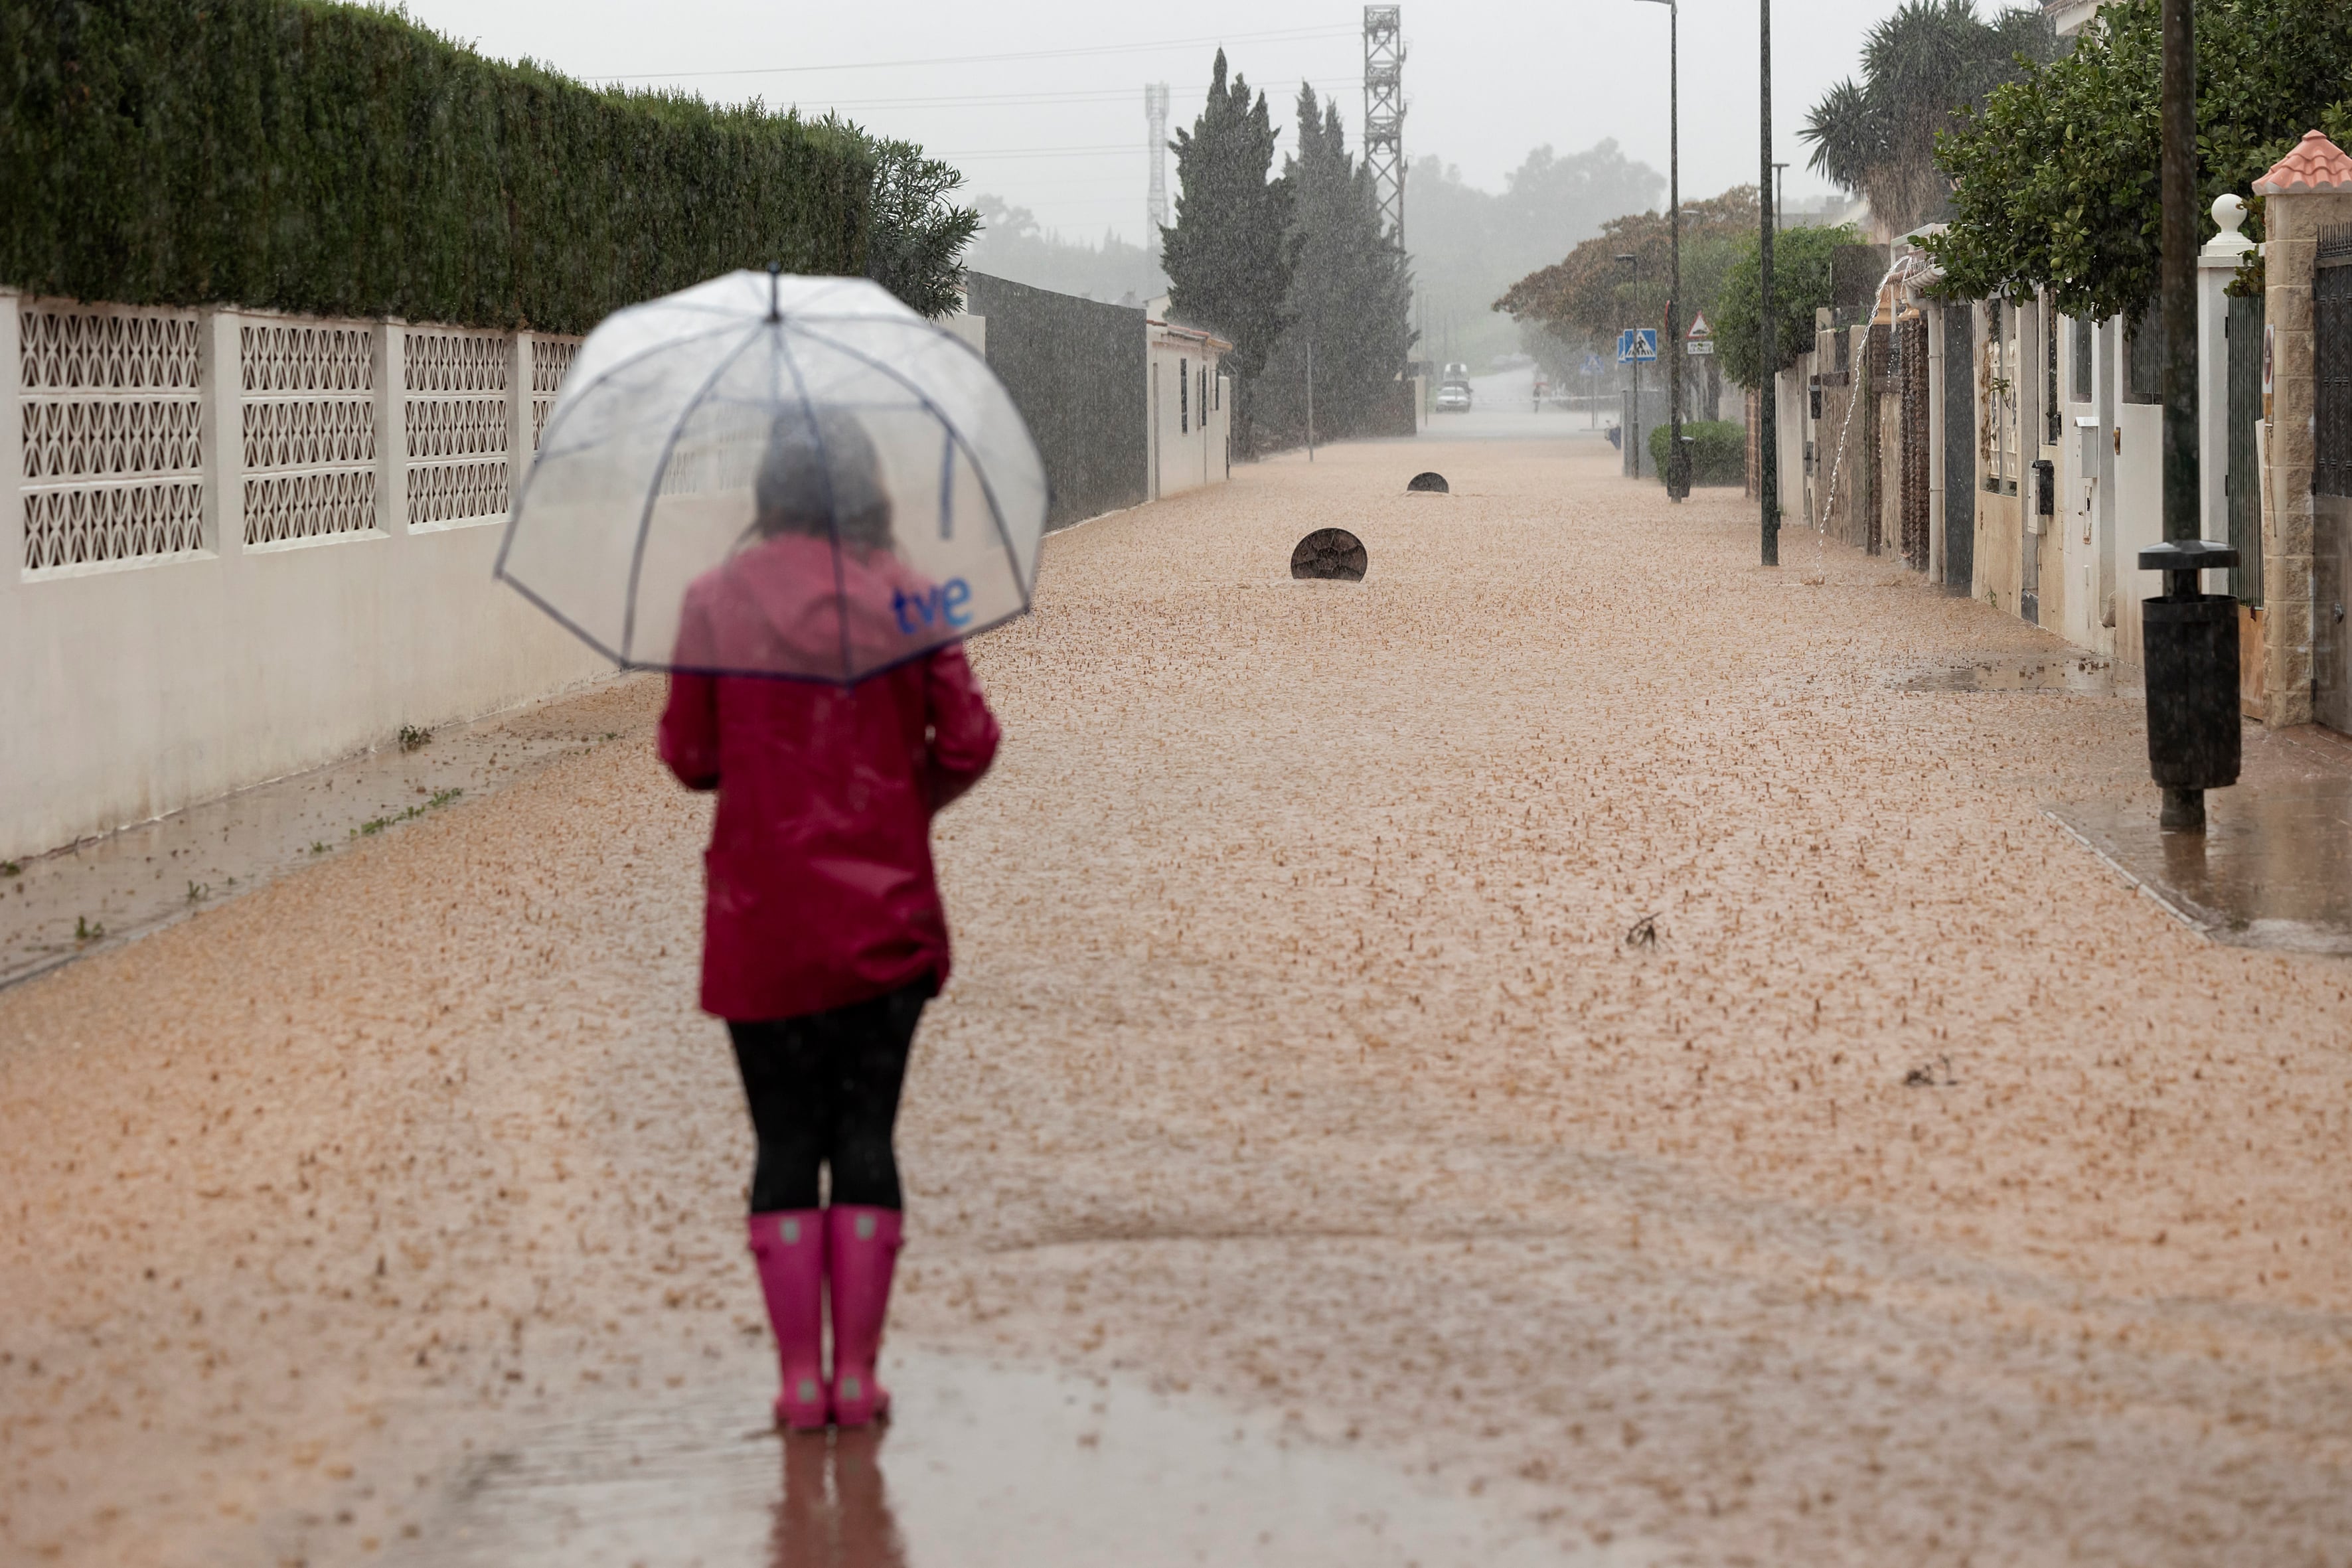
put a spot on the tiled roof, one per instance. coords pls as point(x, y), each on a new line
point(2315, 164)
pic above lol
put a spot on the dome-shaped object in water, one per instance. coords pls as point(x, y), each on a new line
point(1429, 481)
point(1330, 553)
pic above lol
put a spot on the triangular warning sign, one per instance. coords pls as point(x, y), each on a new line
point(1699, 328)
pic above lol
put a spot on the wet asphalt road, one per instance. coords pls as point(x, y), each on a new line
point(1919, 1193)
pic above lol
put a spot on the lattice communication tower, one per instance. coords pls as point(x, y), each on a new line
point(1384, 113)
point(1155, 111)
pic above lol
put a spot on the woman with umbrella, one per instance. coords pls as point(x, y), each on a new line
point(799, 497)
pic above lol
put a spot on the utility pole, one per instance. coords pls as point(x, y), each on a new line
point(1678, 459)
point(1384, 114)
point(1155, 114)
point(1631, 262)
point(1310, 399)
point(2179, 271)
point(1767, 424)
point(2188, 640)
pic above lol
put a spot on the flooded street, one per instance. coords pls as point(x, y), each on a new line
point(1574, 1048)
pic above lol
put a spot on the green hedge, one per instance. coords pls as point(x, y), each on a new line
point(1718, 453)
point(339, 161)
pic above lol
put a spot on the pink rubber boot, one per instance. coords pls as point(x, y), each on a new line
point(790, 1247)
point(862, 1245)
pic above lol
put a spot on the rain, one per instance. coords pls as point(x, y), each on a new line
point(1283, 785)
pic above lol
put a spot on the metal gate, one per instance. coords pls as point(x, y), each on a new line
point(1960, 448)
point(2245, 395)
point(1911, 381)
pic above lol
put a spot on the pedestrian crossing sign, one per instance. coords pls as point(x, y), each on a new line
point(1637, 346)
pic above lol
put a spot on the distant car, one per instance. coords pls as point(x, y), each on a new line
point(1456, 370)
point(1453, 397)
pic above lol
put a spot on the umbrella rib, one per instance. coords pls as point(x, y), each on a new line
point(653, 491)
point(947, 485)
point(987, 490)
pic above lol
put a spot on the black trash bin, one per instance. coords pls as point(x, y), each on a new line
point(2188, 641)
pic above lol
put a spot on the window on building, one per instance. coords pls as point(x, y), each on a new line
point(2082, 333)
point(1997, 367)
point(1183, 398)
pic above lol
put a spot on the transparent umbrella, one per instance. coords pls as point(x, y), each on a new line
point(777, 476)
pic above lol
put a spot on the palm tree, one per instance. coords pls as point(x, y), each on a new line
point(1920, 68)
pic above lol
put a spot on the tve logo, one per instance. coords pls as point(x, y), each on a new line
point(945, 603)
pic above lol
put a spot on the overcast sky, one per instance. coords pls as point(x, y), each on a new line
point(1062, 130)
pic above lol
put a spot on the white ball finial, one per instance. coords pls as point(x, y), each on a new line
point(2225, 247)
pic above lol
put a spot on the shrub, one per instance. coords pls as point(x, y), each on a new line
point(336, 159)
point(1718, 451)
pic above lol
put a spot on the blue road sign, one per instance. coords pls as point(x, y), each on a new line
point(1593, 365)
point(1637, 343)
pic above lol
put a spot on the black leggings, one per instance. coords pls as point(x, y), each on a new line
point(824, 1090)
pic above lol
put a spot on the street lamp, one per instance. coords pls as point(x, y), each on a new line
point(1768, 373)
point(1678, 459)
point(1633, 265)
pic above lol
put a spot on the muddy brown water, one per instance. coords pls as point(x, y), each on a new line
point(2083, 674)
point(1923, 1194)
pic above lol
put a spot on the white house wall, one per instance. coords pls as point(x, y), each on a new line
point(1187, 450)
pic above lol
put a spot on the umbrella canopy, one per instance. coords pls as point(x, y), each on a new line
point(776, 475)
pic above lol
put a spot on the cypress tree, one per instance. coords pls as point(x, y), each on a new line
point(1350, 290)
point(1227, 255)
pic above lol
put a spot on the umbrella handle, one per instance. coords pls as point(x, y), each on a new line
point(775, 272)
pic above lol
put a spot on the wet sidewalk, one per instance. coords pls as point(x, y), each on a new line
point(2273, 866)
point(107, 891)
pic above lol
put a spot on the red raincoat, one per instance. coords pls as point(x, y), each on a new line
point(820, 887)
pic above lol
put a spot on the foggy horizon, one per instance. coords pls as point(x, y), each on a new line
point(1061, 131)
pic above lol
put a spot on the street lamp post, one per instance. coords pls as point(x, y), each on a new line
point(1678, 459)
point(1633, 265)
point(1767, 424)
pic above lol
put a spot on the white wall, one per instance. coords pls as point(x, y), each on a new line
point(1187, 449)
point(2139, 512)
point(1794, 428)
point(147, 679)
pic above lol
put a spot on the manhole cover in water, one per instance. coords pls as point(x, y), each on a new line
point(1432, 481)
point(1332, 553)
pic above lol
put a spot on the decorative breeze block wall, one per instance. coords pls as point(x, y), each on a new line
point(550, 361)
point(307, 401)
point(458, 418)
point(112, 405)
